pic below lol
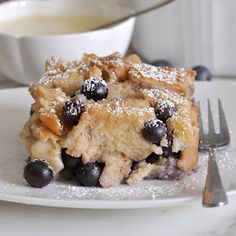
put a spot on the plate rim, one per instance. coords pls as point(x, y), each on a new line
point(95, 204)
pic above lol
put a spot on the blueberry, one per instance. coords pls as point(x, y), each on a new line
point(68, 160)
point(88, 174)
point(94, 88)
point(38, 174)
point(203, 74)
point(152, 158)
point(134, 165)
point(68, 173)
point(163, 63)
point(167, 151)
point(154, 130)
point(31, 111)
point(72, 111)
point(164, 110)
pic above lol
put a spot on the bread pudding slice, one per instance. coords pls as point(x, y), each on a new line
point(103, 121)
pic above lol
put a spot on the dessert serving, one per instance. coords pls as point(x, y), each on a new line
point(103, 121)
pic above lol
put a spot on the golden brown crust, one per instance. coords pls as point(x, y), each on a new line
point(189, 156)
point(175, 79)
point(49, 103)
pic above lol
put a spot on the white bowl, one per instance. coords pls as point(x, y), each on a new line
point(188, 33)
point(22, 58)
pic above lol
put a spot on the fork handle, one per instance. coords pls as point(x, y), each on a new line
point(214, 194)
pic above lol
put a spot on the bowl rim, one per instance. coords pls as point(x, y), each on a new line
point(24, 3)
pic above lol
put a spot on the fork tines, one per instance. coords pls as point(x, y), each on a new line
point(212, 138)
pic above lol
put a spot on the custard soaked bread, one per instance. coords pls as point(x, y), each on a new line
point(103, 121)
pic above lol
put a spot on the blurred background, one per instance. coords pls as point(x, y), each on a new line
point(190, 32)
point(183, 33)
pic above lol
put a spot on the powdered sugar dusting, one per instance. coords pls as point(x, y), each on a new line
point(53, 62)
point(118, 107)
point(153, 123)
point(57, 68)
point(163, 74)
point(165, 104)
point(145, 190)
point(92, 83)
point(226, 162)
point(114, 59)
point(158, 95)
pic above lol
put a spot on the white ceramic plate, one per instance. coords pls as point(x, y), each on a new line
point(15, 106)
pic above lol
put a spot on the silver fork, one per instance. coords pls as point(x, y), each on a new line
point(214, 193)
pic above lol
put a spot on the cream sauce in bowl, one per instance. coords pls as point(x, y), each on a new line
point(52, 24)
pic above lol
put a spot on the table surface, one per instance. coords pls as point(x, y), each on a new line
point(189, 219)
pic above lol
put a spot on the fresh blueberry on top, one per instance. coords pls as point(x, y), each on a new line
point(154, 130)
point(161, 63)
point(38, 174)
point(72, 111)
point(203, 74)
point(68, 160)
point(152, 158)
point(88, 174)
point(95, 88)
point(164, 110)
